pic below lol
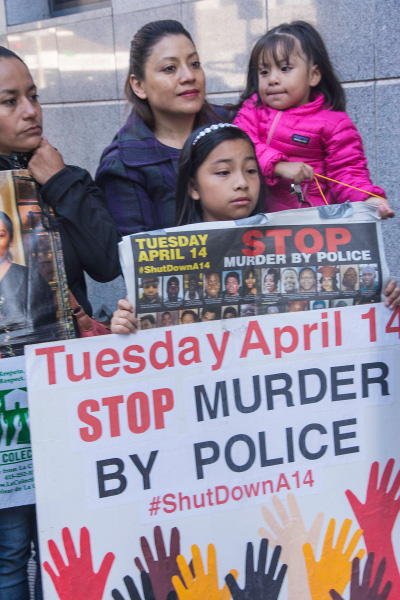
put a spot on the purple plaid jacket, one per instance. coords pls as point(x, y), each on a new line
point(137, 175)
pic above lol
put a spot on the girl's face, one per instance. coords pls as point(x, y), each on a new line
point(4, 242)
point(174, 82)
point(20, 111)
point(250, 281)
point(327, 284)
point(269, 283)
point(288, 82)
point(227, 183)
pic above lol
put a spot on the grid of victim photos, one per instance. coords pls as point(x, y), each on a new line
point(230, 293)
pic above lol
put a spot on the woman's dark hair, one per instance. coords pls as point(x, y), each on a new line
point(192, 157)
point(247, 272)
point(141, 47)
point(281, 41)
point(8, 223)
point(6, 53)
point(274, 273)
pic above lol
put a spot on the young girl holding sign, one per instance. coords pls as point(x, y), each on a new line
point(219, 180)
point(293, 110)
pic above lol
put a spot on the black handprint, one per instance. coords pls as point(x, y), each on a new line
point(259, 584)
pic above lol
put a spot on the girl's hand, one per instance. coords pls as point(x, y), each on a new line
point(296, 171)
point(123, 320)
point(384, 208)
point(45, 162)
point(392, 291)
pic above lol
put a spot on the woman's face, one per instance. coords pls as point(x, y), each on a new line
point(20, 111)
point(350, 277)
point(269, 283)
point(327, 284)
point(174, 81)
point(5, 242)
point(250, 281)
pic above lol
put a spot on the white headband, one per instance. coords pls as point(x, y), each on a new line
point(210, 129)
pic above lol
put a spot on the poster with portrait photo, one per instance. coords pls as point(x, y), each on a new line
point(167, 318)
point(173, 290)
point(193, 288)
point(270, 281)
point(313, 256)
point(34, 305)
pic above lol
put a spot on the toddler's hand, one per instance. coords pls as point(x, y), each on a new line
point(296, 171)
point(123, 320)
point(384, 208)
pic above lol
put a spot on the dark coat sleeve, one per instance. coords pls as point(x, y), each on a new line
point(80, 205)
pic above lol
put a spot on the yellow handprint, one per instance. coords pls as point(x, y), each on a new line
point(333, 571)
point(201, 585)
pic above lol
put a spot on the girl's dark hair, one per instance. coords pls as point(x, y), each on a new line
point(192, 157)
point(141, 47)
point(281, 40)
point(6, 53)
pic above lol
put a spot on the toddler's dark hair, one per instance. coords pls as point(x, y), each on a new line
point(281, 40)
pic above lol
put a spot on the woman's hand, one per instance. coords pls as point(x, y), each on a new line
point(45, 162)
point(123, 320)
point(392, 291)
point(384, 209)
point(296, 171)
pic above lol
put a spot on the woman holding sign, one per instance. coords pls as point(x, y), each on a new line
point(89, 243)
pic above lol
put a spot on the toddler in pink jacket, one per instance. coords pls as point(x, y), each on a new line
point(293, 110)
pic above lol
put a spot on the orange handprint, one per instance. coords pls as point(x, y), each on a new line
point(202, 585)
point(333, 570)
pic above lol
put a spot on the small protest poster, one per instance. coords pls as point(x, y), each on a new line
point(197, 444)
point(34, 304)
point(276, 263)
point(16, 468)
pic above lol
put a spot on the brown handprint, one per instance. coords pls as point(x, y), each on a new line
point(165, 567)
point(377, 517)
point(363, 590)
point(201, 585)
point(291, 536)
point(76, 579)
point(333, 570)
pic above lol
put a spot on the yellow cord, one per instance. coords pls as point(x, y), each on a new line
point(319, 187)
point(341, 183)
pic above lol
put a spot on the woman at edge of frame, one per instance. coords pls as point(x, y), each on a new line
point(89, 241)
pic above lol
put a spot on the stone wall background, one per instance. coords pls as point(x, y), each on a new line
point(80, 61)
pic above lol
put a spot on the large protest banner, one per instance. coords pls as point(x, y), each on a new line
point(16, 469)
point(282, 262)
point(192, 442)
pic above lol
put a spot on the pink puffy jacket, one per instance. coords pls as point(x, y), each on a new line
point(325, 139)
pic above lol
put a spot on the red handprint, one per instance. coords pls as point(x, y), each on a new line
point(162, 570)
point(377, 517)
point(76, 579)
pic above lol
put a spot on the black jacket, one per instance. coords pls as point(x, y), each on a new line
point(88, 234)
